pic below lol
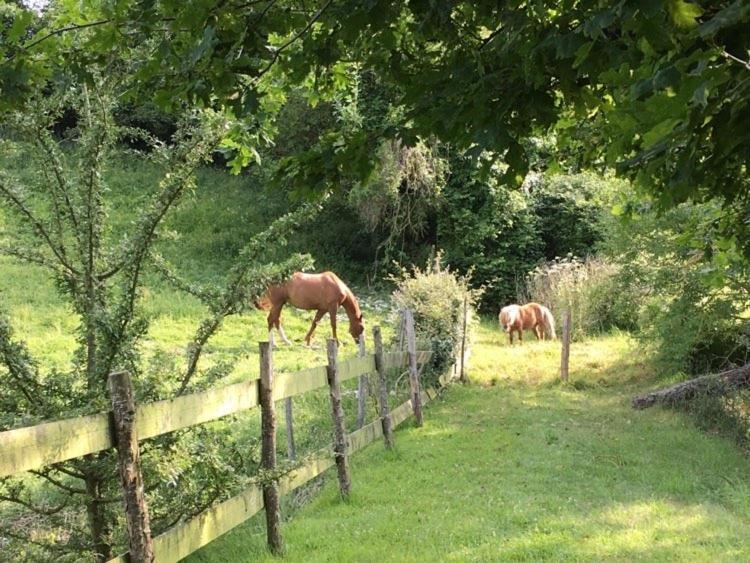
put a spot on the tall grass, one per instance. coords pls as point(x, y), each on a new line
point(588, 288)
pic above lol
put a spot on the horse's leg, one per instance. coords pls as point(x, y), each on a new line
point(332, 314)
point(274, 320)
point(281, 332)
point(318, 315)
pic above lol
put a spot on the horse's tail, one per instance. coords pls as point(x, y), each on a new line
point(549, 322)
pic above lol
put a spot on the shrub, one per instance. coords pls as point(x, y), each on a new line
point(589, 288)
point(436, 297)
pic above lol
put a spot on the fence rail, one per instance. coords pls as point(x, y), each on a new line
point(33, 447)
point(183, 539)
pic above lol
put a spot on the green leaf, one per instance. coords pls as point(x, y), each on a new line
point(700, 95)
point(684, 14)
point(582, 52)
point(736, 13)
point(658, 132)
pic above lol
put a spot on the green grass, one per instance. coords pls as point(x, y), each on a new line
point(518, 466)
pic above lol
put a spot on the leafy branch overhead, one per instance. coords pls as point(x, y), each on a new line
point(664, 83)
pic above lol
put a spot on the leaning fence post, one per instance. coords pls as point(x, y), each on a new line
point(363, 387)
point(565, 356)
point(411, 343)
point(268, 449)
point(385, 416)
point(129, 458)
point(339, 432)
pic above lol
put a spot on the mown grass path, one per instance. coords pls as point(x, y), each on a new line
point(519, 467)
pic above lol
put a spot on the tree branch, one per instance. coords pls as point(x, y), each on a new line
point(56, 483)
point(14, 198)
point(35, 509)
point(61, 30)
point(731, 57)
point(294, 38)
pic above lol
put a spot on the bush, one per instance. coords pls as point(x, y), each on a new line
point(589, 288)
point(689, 284)
point(436, 297)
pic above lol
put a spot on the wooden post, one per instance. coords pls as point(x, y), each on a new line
point(565, 356)
point(363, 387)
point(339, 431)
point(291, 451)
point(385, 417)
point(268, 449)
point(401, 330)
point(129, 458)
point(463, 341)
point(411, 344)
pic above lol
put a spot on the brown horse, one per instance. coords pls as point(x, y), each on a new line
point(517, 318)
point(323, 293)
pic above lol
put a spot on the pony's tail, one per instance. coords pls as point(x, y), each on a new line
point(549, 322)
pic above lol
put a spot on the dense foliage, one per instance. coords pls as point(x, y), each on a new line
point(463, 126)
point(62, 216)
point(439, 299)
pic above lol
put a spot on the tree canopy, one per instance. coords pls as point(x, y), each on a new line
point(661, 89)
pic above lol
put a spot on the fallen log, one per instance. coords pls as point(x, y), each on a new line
point(714, 384)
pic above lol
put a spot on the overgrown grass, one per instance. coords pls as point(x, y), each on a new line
point(518, 466)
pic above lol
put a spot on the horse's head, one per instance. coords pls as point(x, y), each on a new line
point(506, 318)
point(356, 327)
point(262, 302)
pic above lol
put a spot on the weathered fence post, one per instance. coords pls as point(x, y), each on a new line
point(385, 416)
point(268, 449)
point(463, 341)
point(129, 458)
point(291, 451)
point(339, 432)
point(565, 356)
point(411, 344)
point(363, 387)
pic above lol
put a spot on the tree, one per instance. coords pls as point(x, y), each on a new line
point(62, 221)
point(665, 80)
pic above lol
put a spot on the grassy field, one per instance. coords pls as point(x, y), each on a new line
point(517, 466)
point(514, 466)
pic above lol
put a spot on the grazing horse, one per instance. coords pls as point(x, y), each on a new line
point(323, 293)
point(517, 318)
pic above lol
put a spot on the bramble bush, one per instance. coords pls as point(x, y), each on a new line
point(436, 297)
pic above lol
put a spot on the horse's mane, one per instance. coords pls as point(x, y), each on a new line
point(353, 303)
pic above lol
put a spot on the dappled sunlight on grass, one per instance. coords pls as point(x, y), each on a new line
point(611, 359)
point(521, 467)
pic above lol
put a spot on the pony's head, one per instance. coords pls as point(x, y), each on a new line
point(508, 316)
point(356, 327)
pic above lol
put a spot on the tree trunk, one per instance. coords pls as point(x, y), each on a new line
point(715, 384)
point(129, 465)
point(98, 524)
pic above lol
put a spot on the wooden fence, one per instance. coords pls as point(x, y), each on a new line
point(33, 447)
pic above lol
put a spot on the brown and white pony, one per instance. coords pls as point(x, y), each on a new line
point(323, 293)
point(532, 316)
